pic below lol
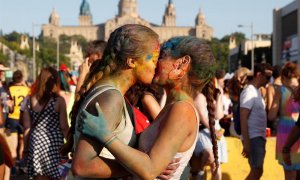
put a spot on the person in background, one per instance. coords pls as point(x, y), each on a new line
point(145, 105)
point(18, 92)
point(94, 52)
point(45, 123)
point(271, 89)
point(286, 108)
point(235, 86)
point(66, 89)
point(253, 119)
point(7, 105)
point(207, 151)
point(226, 121)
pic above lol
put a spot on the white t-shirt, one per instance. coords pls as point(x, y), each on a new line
point(257, 121)
point(226, 104)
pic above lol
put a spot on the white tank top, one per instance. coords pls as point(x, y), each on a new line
point(149, 136)
point(125, 129)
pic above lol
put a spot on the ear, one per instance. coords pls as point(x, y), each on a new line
point(183, 65)
point(131, 62)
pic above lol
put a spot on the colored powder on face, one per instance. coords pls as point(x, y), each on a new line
point(149, 57)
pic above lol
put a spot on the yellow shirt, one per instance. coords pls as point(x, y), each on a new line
point(18, 93)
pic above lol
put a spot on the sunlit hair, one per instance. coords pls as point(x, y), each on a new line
point(292, 70)
point(47, 85)
point(200, 75)
point(128, 41)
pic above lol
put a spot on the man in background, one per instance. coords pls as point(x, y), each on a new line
point(253, 119)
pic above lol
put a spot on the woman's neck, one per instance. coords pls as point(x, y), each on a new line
point(121, 81)
point(176, 94)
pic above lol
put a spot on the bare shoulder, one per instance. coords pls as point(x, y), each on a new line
point(110, 98)
point(60, 101)
point(183, 110)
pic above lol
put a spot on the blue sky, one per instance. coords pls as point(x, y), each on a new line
point(222, 15)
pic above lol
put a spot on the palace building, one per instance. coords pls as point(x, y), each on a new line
point(127, 14)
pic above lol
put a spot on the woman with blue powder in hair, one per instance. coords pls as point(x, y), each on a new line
point(183, 68)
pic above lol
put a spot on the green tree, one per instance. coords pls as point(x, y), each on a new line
point(3, 58)
point(220, 51)
point(239, 37)
point(47, 55)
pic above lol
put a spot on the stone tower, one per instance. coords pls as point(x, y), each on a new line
point(128, 8)
point(54, 18)
point(202, 29)
point(75, 55)
point(24, 42)
point(85, 15)
point(200, 19)
point(169, 18)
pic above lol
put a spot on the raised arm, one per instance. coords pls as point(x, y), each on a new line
point(151, 105)
point(86, 162)
point(179, 125)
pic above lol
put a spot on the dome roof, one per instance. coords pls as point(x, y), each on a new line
point(85, 9)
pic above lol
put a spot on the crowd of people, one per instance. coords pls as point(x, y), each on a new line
point(144, 110)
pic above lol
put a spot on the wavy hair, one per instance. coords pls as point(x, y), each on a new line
point(292, 70)
point(128, 41)
point(46, 85)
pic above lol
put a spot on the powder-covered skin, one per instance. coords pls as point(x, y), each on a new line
point(94, 126)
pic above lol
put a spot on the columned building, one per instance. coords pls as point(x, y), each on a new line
point(127, 14)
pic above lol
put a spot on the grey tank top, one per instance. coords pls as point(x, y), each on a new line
point(124, 130)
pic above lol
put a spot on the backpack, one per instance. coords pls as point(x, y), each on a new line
point(139, 120)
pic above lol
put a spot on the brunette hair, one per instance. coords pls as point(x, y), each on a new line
point(292, 70)
point(200, 75)
point(47, 85)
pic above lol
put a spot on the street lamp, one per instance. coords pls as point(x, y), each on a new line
point(252, 44)
point(57, 53)
point(33, 52)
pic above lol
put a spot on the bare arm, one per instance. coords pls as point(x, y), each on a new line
point(201, 106)
point(270, 96)
point(219, 111)
point(290, 141)
point(178, 126)
point(63, 117)
point(273, 111)
point(83, 71)
point(86, 162)
point(151, 105)
point(27, 125)
point(244, 115)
